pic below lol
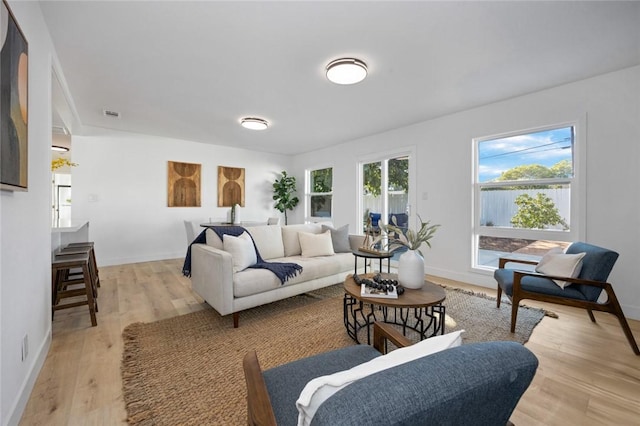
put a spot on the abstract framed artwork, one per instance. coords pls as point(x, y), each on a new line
point(14, 145)
point(184, 184)
point(230, 186)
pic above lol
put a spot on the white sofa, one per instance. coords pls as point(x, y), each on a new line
point(229, 292)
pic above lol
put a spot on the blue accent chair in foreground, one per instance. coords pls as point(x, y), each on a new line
point(583, 292)
point(474, 384)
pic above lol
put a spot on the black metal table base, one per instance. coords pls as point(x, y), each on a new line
point(426, 322)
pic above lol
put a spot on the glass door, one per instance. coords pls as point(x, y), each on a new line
point(385, 193)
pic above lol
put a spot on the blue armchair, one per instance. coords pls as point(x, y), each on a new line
point(583, 292)
point(375, 222)
point(401, 220)
point(475, 384)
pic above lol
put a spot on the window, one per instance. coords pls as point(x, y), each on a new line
point(319, 194)
point(524, 194)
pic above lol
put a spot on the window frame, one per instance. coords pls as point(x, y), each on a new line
point(577, 216)
point(308, 194)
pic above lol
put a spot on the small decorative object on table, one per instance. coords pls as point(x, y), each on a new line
point(379, 287)
point(235, 214)
point(411, 263)
point(371, 243)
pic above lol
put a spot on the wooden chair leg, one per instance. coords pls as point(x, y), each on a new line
point(93, 306)
point(616, 310)
point(514, 312)
point(591, 317)
point(499, 296)
point(627, 332)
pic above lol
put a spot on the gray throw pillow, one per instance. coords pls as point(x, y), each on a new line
point(339, 238)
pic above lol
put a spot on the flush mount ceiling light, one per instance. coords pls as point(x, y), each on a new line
point(346, 71)
point(59, 148)
point(253, 123)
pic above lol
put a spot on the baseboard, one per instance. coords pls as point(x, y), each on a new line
point(138, 259)
point(27, 386)
point(476, 278)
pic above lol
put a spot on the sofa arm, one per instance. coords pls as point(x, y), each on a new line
point(212, 276)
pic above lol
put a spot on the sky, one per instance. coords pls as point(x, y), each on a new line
point(546, 148)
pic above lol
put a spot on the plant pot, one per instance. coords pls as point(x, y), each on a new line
point(411, 270)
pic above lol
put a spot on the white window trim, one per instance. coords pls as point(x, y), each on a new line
point(308, 194)
point(578, 194)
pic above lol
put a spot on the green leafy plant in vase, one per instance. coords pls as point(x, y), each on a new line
point(284, 190)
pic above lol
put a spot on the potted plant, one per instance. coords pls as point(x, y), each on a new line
point(284, 190)
point(411, 262)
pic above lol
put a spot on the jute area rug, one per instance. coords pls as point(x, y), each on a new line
point(187, 370)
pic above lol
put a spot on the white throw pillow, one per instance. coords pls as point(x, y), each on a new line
point(268, 239)
point(241, 249)
point(290, 238)
point(313, 245)
point(322, 388)
point(213, 240)
point(559, 264)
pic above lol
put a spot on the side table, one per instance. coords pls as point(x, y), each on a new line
point(367, 255)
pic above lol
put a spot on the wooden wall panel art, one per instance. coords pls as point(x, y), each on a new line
point(230, 186)
point(184, 184)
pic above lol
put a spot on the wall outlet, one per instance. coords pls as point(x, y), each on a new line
point(25, 347)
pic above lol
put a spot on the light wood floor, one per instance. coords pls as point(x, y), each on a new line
point(588, 374)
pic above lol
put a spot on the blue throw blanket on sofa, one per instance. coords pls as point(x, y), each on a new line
point(186, 267)
point(282, 270)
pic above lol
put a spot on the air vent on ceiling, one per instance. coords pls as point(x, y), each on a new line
point(112, 114)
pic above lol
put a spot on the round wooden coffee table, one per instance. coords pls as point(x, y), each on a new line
point(419, 310)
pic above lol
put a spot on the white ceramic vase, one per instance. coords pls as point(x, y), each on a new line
point(411, 270)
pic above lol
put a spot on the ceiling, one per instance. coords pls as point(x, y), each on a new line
point(191, 70)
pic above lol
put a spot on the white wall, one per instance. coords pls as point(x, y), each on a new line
point(120, 186)
point(610, 104)
point(25, 262)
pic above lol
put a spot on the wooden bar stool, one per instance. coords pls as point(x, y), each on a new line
point(64, 287)
point(87, 244)
point(77, 273)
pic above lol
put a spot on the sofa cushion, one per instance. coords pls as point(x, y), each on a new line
point(290, 237)
point(241, 249)
point(268, 239)
point(253, 281)
point(314, 245)
point(339, 238)
point(322, 388)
